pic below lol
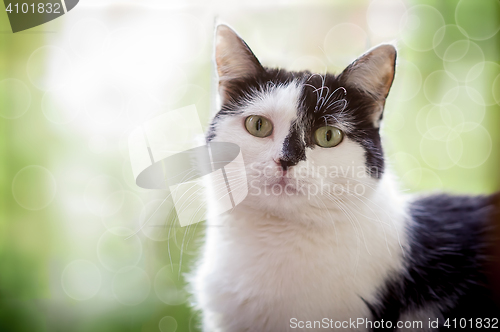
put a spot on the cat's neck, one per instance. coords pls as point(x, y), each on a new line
point(381, 199)
point(345, 253)
point(376, 221)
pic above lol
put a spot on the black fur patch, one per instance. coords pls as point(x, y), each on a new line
point(294, 149)
point(324, 100)
point(445, 262)
point(358, 112)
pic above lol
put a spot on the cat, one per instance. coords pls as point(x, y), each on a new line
point(325, 240)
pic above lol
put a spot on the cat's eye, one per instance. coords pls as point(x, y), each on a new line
point(328, 136)
point(258, 126)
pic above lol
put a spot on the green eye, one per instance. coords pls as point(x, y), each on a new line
point(258, 126)
point(328, 136)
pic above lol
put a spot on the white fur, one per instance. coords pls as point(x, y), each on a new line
point(307, 255)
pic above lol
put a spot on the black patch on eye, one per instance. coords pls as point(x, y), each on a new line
point(324, 101)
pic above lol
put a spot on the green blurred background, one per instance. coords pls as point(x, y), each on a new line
point(72, 254)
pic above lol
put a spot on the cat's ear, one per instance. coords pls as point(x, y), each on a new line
point(234, 59)
point(373, 72)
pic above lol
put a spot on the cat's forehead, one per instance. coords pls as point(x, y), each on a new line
point(305, 99)
point(278, 101)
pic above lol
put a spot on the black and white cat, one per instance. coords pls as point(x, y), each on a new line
point(324, 238)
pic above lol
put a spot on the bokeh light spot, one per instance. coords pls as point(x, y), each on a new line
point(431, 151)
point(445, 36)
point(471, 112)
point(131, 285)
point(407, 82)
point(118, 251)
point(477, 147)
point(81, 280)
point(439, 84)
point(168, 324)
point(127, 211)
point(17, 95)
point(34, 187)
point(467, 13)
point(460, 57)
point(480, 78)
point(418, 26)
point(422, 179)
point(158, 220)
point(168, 286)
point(495, 89)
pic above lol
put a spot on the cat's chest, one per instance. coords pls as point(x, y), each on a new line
point(281, 271)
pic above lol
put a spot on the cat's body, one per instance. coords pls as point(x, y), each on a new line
point(261, 271)
point(324, 237)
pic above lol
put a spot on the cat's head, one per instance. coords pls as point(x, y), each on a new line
point(306, 138)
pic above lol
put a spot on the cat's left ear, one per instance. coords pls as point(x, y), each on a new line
point(372, 73)
point(235, 61)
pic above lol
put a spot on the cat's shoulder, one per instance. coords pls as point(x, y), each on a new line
point(448, 249)
point(443, 218)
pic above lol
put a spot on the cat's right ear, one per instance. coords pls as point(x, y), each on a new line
point(234, 59)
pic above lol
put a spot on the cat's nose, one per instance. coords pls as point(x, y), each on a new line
point(285, 164)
